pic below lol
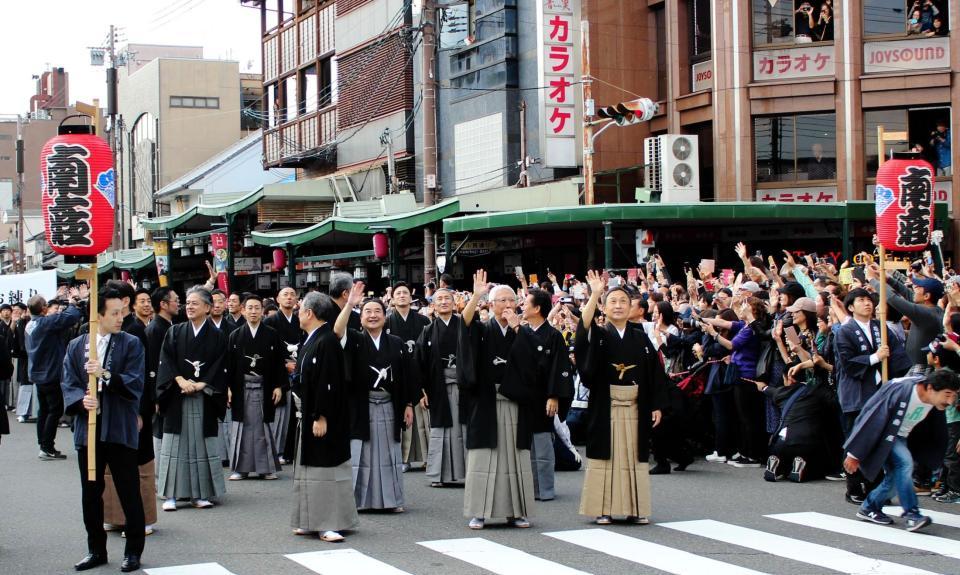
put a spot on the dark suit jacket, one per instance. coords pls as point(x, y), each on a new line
point(858, 381)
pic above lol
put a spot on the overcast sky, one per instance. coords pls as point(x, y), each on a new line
point(57, 33)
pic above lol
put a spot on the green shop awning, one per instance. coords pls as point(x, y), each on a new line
point(107, 262)
point(236, 206)
point(398, 222)
point(570, 217)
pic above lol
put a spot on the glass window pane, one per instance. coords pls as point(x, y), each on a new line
point(308, 90)
point(772, 24)
point(661, 24)
point(885, 16)
point(889, 121)
point(176, 101)
point(775, 155)
point(187, 102)
point(699, 27)
point(290, 87)
point(213, 102)
point(272, 105)
point(817, 147)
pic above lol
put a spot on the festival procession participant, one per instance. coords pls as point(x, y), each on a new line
point(383, 391)
point(192, 393)
point(235, 309)
point(340, 286)
point(143, 307)
point(219, 319)
point(627, 384)
point(166, 304)
point(407, 324)
point(322, 480)
point(880, 435)
point(255, 375)
point(436, 353)
point(499, 482)
point(539, 372)
point(119, 372)
point(46, 343)
point(287, 326)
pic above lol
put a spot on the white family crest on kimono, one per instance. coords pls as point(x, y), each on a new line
point(451, 360)
point(292, 349)
point(196, 366)
point(253, 359)
point(499, 360)
point(382, 375)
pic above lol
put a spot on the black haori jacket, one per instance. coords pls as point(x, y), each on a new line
point(323, 393)
point(400, 379)
point(271, 366)
point(431, 366)
point(482, 353)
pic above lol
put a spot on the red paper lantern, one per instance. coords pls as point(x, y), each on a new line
point(77, 184)
point(124, 276)
point(904, 203)
point(381, 246)
point(279, 259)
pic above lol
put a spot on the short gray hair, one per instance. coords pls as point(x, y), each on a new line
point(339, 283)
point(321, 306)
point(201, 291)
point(492, 295)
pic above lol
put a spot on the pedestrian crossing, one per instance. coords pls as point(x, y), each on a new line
point(479, 554)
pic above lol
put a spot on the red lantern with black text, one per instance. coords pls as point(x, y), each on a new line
point(381, 246)
point(904, 203)
point(279, 259)
point(77, 183)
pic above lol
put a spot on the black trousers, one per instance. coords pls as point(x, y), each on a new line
point(857, 484)
point(750, 411)
point(950, 476)
point(725, 423)
point(50, 398)
point(126, 477)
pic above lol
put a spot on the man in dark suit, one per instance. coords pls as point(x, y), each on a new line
point(860, 352)
point(119, 370)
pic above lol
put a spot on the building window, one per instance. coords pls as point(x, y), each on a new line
point(923, 18)
point(793, 21)
point(795, 148)
point(924, 130)
point(6, 137)
point(194, 102)
point(660, 21)
point(328, 82)
point(273, 106)
point(290, 97)
point(5, 158)
point(6, 194)
point(699, 29)
point(308, 90)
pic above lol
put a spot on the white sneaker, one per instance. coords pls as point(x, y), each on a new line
point(236, 476)
point(716, 458)
point(170, 505)
point(201, 503)
point(331, 537)
point(148, 529)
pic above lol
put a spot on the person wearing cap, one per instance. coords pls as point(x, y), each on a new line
point(860, 352)
point(748, 289)
point(920, 307)
point(898, 414)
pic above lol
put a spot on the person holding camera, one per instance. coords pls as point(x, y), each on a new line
point(805, 23)
point(940, 141)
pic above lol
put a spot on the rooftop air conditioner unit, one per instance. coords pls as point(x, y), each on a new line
point(672, 168)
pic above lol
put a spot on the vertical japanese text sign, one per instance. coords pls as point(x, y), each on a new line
point(559, 75)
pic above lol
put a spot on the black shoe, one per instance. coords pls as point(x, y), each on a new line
point(854, 499)
point(660, 469)
point(770, 473)
point(798, 471)
point(683, 465)
point(90, 561)
point(130, 563)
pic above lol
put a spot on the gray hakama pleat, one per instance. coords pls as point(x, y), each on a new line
point(281, 420)
point(224, 437)
point(543, 458)
point(500, 481)
point(416, 437)
point(377, 464)
point(323, 499)
point(189, 462)
point(252, 449)
point(445, 458)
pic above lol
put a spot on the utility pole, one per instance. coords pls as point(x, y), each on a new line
point(387, 140)
point(429, 48)
point(585, 81)
point(114, 133)
point(524, 179)
point(20, 225)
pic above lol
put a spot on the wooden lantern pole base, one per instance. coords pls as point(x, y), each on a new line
point(90, 275)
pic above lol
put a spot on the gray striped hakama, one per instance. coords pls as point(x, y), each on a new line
point(323, 499)
point(377, 464)
point(189, 462)
point(544, 459)
point(281, 422)
point(416, 438)
point(252, 449)
point(447, 446)
point(500, 481)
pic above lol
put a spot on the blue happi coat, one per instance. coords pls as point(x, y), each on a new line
point(120, 398)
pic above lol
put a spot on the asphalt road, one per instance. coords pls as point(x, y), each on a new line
point(711, 519)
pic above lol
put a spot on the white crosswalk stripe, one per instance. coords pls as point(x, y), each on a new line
point(790, 548)
point(497, 558)
point(948, 519)
point(653, 555)
point(343, 562)
point(195, 569)
point(881, 533)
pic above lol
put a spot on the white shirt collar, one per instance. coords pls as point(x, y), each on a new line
point(216, 323)
point(196, 330)
point(285, 316)
point(253, 330)
point(376, 340)
point(445, 322)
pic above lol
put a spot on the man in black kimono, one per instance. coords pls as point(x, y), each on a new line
point(382, 396)
point(340, 286)
point(322, 482)
point(539, 373)
point(119, 373)
point(499, 480)
point(287, 326)
point(218, 313)
point(436, 353)
point(166, 304)
point(192, 394)
point(407, 324)
point(255, 375)
point(235, 309)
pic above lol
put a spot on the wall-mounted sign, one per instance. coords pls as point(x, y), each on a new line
point(792, 63)
point(702, 76)
point(558, 65)
point(906, 55)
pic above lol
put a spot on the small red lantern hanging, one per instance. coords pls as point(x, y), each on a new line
point(77, 184)
point(279, 259)
point(904, 203)
point(381, 246)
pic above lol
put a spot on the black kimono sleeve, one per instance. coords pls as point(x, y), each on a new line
point(167, 387)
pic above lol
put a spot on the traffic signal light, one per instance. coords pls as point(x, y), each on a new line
point(630, 112)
